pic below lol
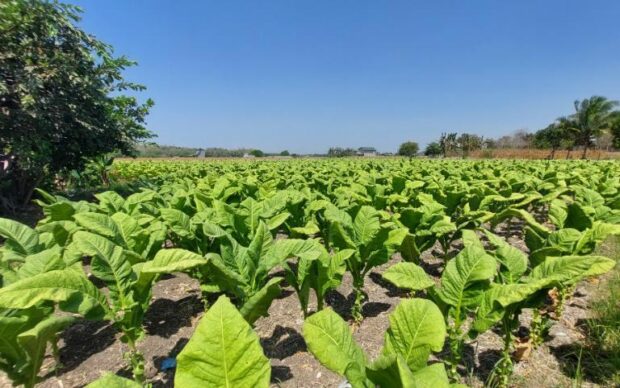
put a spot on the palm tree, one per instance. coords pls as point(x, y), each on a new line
point(592, 116)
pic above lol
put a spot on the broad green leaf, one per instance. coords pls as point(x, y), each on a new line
point(417, 327)
point(470, 238)
point(513, 261)
point(558, 212)
point(276, 221)
point(408, 276)
point(443, 226)
point(109, 263)
point(128, 227)
point(173, 260)
point(390, 371)
point(34, 342)
point(60, 230)
point(260, 245)
point(577, 218)
point(213, 230)
point(330, 340)
point(10, 328)
point(524, 215)
point(471, 265)
point(225, 277)
point(135, 199)
point(595, 235)
point(499, 296)
point(258, 304)
point(339, 237)
point(223, 352)
point(572, 268)
point(309, 229)
point(98, 223)
point(59, 211)
point(19, 237)
point(178, 221)
point(47, 260)
point(331, 269)
point(110, 201)
point(433, 376)
point(409, 249)
point(71, 289)
point(366, 225)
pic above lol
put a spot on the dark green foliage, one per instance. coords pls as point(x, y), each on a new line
point(551, 137)
point(593, 116)
point(433, 149)
point(153, 150)
point(408, 148)
point(60, 97)
point(615, 129)
point(338, 152)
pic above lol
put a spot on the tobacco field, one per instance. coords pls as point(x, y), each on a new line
point(462, 249)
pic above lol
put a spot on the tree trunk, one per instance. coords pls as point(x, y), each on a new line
point(20, 185)
point(585, 151)
point(30, 190)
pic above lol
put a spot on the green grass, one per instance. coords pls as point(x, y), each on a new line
point(600, 360)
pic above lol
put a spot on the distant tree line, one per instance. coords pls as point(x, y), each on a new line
point(595, 123)
point(338, 152)
point(153, 150)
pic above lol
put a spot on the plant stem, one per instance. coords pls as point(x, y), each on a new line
point(455, 352)
point(505, 365)
point(445, 247)
point(319, 303)
point(539, 327)
point(56, 354)
point(136, 360)
point(356, 310)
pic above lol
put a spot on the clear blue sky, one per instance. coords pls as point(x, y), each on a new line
point(309, 74)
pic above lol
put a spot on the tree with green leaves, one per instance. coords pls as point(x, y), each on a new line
point(551, 137)
point(433, 149)
point(61, 97)
point(339, 152)
point(408, 148)
point(592, 117)
point(615, 129)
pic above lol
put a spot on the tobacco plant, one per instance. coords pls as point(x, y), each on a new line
point(373, 240)
point(317, 270)
point(463, 282)
point(416, 330)
point(224, 351)
point(518, 286)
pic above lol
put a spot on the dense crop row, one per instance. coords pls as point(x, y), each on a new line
point(231, 224)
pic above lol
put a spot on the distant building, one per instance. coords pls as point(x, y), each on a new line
point(246, 155)
point(366, 151)
point(200, 153)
